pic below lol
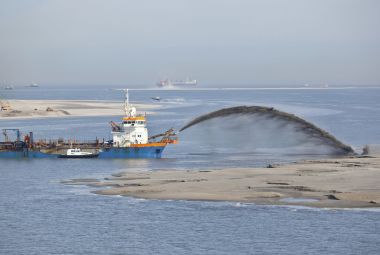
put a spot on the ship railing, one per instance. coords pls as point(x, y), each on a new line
point(67, 144)
point(55, 144)
point(7, 146)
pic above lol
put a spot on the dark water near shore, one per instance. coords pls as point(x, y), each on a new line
point(38, 215)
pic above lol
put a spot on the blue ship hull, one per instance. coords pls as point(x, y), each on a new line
point(130, 152)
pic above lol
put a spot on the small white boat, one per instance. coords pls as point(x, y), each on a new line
point(156, 98)
point(77, 153)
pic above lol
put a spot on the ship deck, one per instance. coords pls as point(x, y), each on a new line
point(57, 146)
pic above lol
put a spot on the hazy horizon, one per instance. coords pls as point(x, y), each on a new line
point(222, 43)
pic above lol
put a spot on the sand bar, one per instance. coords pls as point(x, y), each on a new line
point(23, 109)
point(332, 183)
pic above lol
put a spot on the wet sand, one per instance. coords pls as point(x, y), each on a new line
point(22, 109)
point(350, 182)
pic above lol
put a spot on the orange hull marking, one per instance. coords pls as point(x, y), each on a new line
point(148, 145)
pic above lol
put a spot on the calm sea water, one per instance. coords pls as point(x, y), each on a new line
point(38, 215)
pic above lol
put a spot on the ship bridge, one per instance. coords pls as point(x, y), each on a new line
point(138, 121)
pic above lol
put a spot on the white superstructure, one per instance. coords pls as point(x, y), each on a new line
point(133, 129)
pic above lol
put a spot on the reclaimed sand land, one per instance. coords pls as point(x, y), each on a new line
point(21, 109)
point(333, 183)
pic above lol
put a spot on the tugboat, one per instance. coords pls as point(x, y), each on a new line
point(129, 140)
point(77, 153)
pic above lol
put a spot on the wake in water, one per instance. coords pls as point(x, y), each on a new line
point(264, 127)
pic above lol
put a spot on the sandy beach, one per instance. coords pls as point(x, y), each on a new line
point(21, 109)
point(332, 183)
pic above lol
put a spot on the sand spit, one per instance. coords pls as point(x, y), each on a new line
point(22, 109)
point(350, 182)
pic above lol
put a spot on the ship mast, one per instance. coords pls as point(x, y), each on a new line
point(126, 102)
point(130, 111)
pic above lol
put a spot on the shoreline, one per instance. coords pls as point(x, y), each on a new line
point(33, 109)
point(346, 182)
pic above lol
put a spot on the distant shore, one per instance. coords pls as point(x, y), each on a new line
point(25, 109)
point(350, 182)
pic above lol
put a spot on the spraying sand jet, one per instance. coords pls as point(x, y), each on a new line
point(301, 125)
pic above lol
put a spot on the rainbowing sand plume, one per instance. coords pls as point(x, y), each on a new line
point(299, 125)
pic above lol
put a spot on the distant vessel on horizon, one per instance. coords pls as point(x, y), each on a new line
point(33, 85)
point(8, 87)
point(177, 83)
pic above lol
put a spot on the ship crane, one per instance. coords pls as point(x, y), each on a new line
point(16, 130)
point(115, 127)
point(168, 136)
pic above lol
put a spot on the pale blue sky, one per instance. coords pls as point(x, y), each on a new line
point(219, 42)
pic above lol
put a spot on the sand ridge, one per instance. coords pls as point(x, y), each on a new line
point(23, 109)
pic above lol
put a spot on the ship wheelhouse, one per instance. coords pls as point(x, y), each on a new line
point(138, 121)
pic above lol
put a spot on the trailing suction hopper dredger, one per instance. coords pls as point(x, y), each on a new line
point(130, 140)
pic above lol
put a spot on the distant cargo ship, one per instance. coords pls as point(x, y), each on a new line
point(177, 83)
point(8, 87)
